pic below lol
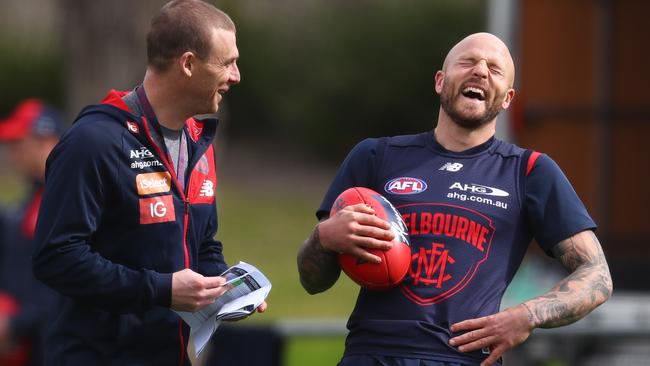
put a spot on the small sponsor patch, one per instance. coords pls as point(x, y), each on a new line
point(149, 183)
point(451, 167)
point(133, 127)
point(405, 185)
point(157, 209)
point(207, 189)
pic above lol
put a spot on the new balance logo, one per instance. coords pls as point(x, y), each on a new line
point(207, 189)
point(451, 167)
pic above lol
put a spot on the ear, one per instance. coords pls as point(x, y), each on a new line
point(186, 63)
point(440, 80)
point(508, 98)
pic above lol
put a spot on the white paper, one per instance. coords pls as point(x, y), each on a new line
point(249, 289)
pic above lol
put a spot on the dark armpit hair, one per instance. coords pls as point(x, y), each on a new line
point(181, 26)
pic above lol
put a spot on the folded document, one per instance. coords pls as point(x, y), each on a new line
point(249, 288)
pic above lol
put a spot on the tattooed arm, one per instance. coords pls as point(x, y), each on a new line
point(588, 285)
point(352, 230)
point(317, 266)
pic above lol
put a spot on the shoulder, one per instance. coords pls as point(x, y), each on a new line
point(97, 125)
point(419, 139)
point(543, 166)
point(91, 136)
point(508, 149)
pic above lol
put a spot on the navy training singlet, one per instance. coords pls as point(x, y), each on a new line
point(471, 216)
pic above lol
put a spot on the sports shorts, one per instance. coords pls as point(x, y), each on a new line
point(371, 360)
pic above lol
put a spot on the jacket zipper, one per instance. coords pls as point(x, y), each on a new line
point(186, 214)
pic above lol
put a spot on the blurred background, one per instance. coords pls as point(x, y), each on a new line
point(318, 76)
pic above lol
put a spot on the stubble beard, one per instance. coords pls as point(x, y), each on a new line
point(447, 99)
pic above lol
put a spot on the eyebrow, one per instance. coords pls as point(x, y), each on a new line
point(490, 63)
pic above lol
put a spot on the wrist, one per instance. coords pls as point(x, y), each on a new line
point(532, 319)
point(318, 242)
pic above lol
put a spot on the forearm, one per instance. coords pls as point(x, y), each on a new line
point(77, 272)
point(317, 266)
point(588, 285)
point(211, 259)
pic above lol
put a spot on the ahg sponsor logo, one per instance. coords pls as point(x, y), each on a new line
point(479, 189)
point(157, 209)
point(405, 185)
point(141, 153)
point(145, 164)
point(142, 158)
point(149, 183)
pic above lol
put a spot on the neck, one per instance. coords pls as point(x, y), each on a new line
point(165, 103)
point(455, 138)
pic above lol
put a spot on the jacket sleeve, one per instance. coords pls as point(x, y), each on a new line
point(75, 194)
point(211, 259)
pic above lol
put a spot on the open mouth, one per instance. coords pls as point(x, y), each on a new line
point(473, 92)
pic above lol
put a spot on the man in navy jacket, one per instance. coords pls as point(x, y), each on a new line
point(128, 215)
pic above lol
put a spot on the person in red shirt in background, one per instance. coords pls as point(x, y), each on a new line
point(28, 134)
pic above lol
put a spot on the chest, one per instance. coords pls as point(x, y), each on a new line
point(469, 201)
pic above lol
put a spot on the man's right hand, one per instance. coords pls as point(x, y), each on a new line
point(192, 291)
point(355, 229)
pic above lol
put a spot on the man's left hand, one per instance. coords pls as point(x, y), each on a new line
point(499, 332)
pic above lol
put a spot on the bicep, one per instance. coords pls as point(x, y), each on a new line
point(579, 250)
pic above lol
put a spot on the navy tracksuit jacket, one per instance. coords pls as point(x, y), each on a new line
point(114, 225)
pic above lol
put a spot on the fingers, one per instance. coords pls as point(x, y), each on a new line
point(262, 307)
point(474, 343)
point(365, 215)
point(364, 255)
point(192, 291)
point(211, 294)
point(354, 231)
point(363, 229)
point(469, 324)
point(494, 356)
point(212, 282)
point(498, 332)
point(360, 207)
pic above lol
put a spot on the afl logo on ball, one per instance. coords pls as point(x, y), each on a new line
point(405, 185)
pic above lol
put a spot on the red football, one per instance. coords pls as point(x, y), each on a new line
point(395, 261)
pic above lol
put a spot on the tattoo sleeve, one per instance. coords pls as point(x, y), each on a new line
point(318, 267)
point(588, 285)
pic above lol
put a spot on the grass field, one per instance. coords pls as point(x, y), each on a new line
point(266, 228)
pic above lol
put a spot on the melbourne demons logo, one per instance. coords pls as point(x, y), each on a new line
point(448, 245)
point(405, 185)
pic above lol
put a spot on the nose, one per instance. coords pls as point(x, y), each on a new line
point(481, 69)
point(235, 76)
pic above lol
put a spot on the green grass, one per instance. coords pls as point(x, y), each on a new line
point(11, 189)
point(266, 229)
point(314, 351)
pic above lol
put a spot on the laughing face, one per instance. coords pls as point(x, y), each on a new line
point(217, 73)
point(475, 83)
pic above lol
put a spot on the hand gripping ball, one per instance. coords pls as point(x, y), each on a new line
point(395, 261)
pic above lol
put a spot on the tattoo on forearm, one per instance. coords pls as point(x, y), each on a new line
point(318, 267)
point(588, 285)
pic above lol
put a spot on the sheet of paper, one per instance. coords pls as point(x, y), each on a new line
point(249, 288)
point(202, 334)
